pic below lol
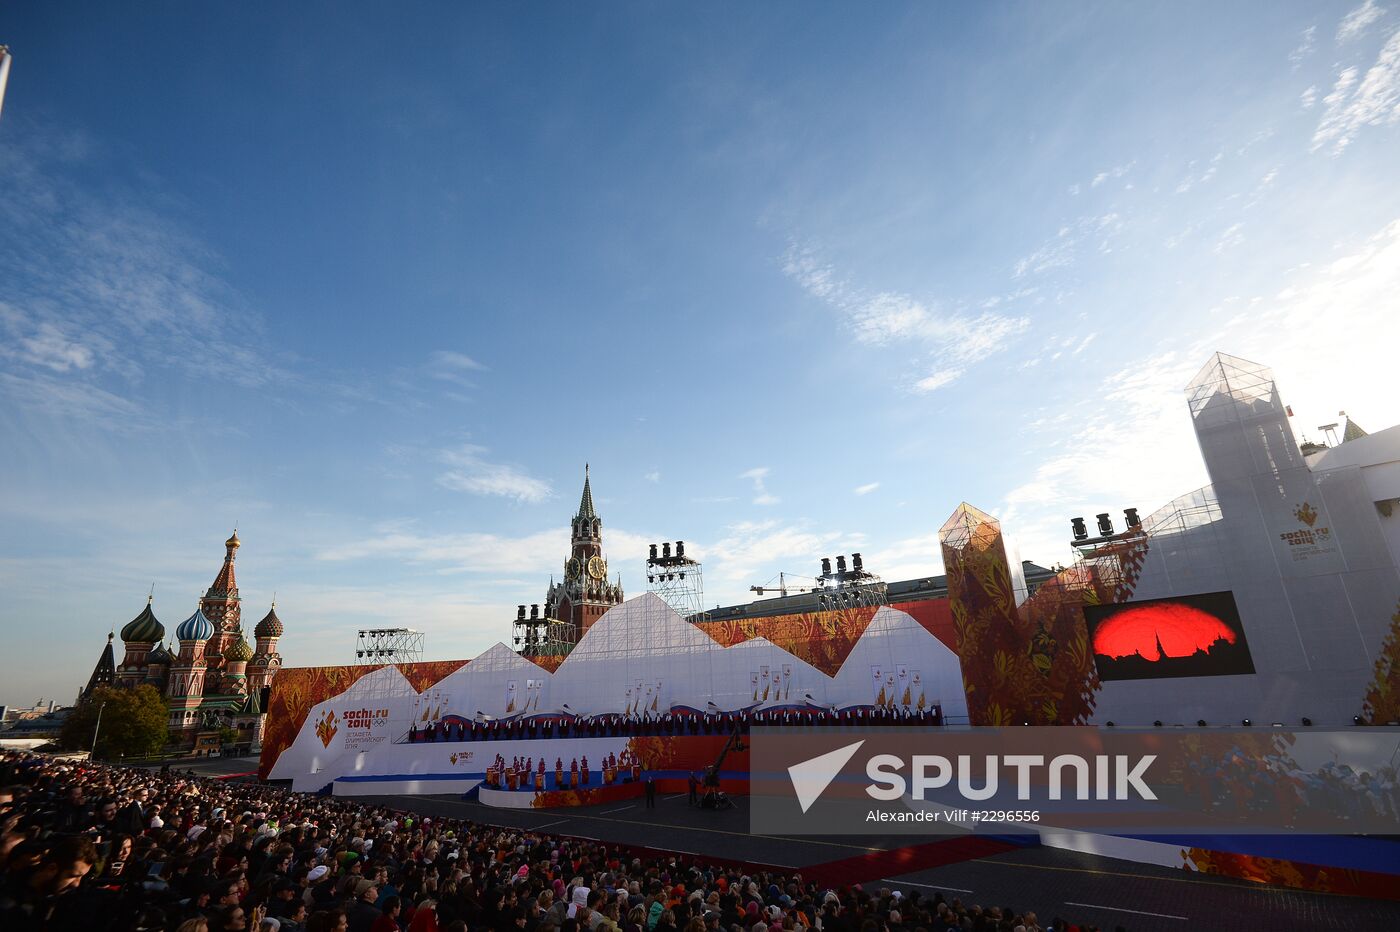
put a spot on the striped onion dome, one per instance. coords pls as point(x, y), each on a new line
point(144, 628)
point(195, 628)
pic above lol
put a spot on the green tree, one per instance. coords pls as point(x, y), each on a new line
point(135, 723)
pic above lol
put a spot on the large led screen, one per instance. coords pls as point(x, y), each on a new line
point(1190, 635)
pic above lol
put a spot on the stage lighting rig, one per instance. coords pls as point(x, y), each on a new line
point(1083, 542)
point(850, 585)
point(540, 635)
point(677, 578)
point(388, 645)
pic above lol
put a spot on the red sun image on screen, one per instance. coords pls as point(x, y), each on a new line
point(1180, 630)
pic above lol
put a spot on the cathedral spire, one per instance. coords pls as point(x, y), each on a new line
point(225, 585)
point(105, 673)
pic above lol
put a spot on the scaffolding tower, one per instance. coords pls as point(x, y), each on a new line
point(855, 587)
point(679, 580)
point(539, 635)
point(388, 645)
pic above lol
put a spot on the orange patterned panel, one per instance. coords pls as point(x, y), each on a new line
point(1301, 876)
point(1383, 697)
point(825, 639)
point(549, 663)
point(1032, 662)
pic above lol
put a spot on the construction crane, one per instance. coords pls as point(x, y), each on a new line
point(782, 588)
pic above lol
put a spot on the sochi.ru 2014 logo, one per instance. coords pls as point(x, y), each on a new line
point(326, 727)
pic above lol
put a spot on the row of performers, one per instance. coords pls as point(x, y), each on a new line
point(670, 723)
point(523, 774)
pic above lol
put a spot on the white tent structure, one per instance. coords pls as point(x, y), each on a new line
point(639, 658)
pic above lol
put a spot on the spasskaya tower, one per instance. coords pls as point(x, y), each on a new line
point(585, 594)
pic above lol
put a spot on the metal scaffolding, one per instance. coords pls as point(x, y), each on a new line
point(855, 587)
point(539, 635)
point(679, 580)
point(388, 645)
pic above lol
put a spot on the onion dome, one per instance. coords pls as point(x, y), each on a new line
point(144, 628)
point(270, 626)
point(240, 651)
point(159, 654)
point(195, 628)
point(233, 542)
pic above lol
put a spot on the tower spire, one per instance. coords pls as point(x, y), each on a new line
point(105, 673)
point(585, 505)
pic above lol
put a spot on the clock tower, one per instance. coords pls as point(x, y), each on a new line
point(585, 594)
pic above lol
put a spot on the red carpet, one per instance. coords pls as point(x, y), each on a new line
point(878, 865)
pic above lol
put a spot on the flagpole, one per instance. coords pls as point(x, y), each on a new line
point(5, 59)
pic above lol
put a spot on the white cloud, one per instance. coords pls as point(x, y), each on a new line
point(530, 555)
point(469, 472)
point(1372, 101)
point(1307, 42)
point(104, 291)
point(49, 347)
point(1231, 238)
point(1309, 97)
point(1062, 249)
point(937, 380)
point(761, 494)
point(952, 339)
point(909, 558)
point(454, 367)
point(69, 400)
point(1053, 254)
point(653, 476)
point(1355, 23)
point(1191, 180)
point(867, 488)
point(750, 552)
point(1118, 171)
point(450, 359)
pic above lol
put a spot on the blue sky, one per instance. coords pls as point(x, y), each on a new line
point(795, 278)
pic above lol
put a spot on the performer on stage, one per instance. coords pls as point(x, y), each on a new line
point(539, 776)
point(583, 769)
point(559, 773)
point(573, 774)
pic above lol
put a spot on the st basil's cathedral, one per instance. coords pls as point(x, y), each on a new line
point(211, 676)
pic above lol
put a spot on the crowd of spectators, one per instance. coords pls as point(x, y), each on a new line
point(98, 848)
point(456, 728)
